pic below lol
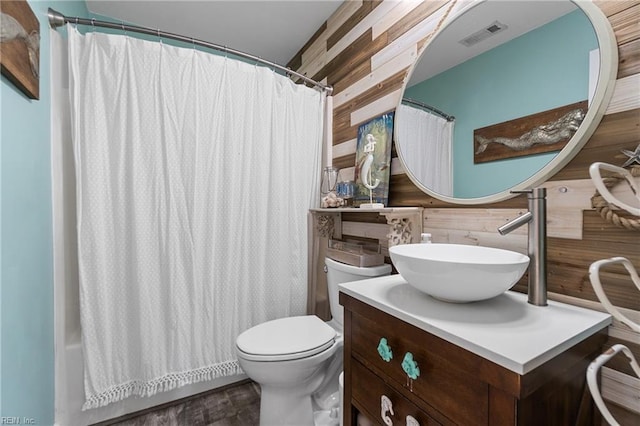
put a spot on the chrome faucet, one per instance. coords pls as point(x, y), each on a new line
point(536, 218)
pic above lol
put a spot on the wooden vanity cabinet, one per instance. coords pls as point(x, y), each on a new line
point(456, 386)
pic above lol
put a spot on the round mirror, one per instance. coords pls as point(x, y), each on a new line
point(503, 96)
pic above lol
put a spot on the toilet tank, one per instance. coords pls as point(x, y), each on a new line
point(338, 273)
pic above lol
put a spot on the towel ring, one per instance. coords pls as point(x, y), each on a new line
point(594, 172)
point(594, 277)
point(592, 377)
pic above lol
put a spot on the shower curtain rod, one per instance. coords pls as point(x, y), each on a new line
point(57, 19)
point(430, 109)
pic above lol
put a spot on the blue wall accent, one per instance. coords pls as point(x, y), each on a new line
point(553, 61)
point(26, 278)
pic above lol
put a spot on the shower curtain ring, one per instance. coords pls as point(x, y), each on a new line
point(93, 24)
point(193, 42)
point(158, 32)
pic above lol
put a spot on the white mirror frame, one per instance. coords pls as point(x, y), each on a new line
point(607, 73)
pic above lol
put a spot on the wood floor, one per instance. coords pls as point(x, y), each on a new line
point(234, 405)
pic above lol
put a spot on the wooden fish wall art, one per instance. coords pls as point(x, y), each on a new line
point(20, 46)
point(545, 131)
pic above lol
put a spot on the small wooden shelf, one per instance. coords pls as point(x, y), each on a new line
point(359, 210)
point(405, 223)
point(403, 226)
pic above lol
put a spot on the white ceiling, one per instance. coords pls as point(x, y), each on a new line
point(520, 17)
point(276, 30)
point(272, 30)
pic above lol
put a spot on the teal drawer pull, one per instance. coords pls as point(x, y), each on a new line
point(410, 366)
point(384, 350)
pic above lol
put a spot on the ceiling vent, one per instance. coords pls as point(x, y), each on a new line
point(484, 33)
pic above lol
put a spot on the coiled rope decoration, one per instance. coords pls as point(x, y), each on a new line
point(605, 209)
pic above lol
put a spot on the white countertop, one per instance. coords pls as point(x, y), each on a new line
point(506, 329)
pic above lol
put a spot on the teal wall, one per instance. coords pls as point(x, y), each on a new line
point(26, 275)
point(552, 60)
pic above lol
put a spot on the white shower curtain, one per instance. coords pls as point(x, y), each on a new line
point(194, 177)
point(426, 147)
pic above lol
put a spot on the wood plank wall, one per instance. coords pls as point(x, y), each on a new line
point(365, 50)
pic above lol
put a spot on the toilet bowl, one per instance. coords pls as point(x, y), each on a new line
point(297, 360)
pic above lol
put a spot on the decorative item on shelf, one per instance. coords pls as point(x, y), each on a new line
point(604, 202)
point(345, 191)
point(330, 199)
point(20, 46)
point(329, 179)
point(355, 253)
point(373, 160)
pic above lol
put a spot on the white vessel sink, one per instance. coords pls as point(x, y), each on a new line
point(458, 273)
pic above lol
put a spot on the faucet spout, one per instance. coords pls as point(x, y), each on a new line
point(516, 223)
point(536, 218)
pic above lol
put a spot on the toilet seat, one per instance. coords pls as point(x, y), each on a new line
point(286, 339)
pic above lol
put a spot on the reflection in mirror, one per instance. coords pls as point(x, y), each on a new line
point(429, 162)
point(509, 62)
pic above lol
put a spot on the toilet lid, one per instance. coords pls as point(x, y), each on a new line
point(286, 339)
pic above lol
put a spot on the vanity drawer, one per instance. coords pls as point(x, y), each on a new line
point(368, 391)
point(443, 383)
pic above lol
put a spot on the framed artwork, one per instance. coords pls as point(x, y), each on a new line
point(546, 131)
point(373, 160)
point(20, 46)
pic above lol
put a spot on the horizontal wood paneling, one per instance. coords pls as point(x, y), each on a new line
point(623, 95)
point(355, 74)
point(357, 53)
point(417, 15)
point(296, 61)
point(351, 22)
point(615, 132)
point(629, 59)
point(400, 64)
point(366, 83)
point(612, 7)
point(343, 127)
point(622, 388)
point(625, 24)
point(345, 161)
point(378, 107)
point(404, 193)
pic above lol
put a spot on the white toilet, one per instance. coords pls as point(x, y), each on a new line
point(297, 360)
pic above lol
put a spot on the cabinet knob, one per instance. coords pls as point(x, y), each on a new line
point(386, 406)
point(410, 366)
point(385, 350)
point(411, 421)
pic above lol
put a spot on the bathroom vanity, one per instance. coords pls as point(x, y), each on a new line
point(497, 362)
